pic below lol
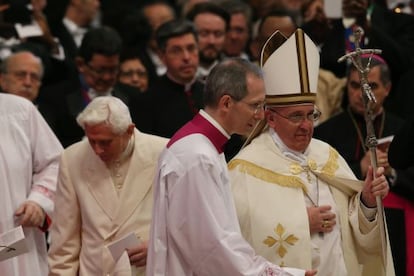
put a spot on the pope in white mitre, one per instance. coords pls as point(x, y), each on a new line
point(298, 202)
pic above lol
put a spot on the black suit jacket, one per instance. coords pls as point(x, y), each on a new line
point(391, 32)
point(170, 106)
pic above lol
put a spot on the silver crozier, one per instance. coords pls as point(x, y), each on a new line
point(371, 140)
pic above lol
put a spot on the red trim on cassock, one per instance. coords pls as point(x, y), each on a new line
point(201, 125)
point(46, 224)
point(397, 202)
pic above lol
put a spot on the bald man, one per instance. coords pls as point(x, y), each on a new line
point(21, 74)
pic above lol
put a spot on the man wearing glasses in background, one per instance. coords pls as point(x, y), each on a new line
point(297, 200)
point(21, 74)
point(98, 67)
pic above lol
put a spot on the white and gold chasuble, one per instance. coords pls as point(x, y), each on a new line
point(272, 191)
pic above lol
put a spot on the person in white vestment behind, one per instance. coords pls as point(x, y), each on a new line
point(297, 200)
point(195, 229)
point(29, 161)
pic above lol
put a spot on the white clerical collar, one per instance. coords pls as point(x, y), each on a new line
point(287, 152)
point(93, 94)
point(160, 67)
point(214, 123)
point(204, 71)
point(76, 31)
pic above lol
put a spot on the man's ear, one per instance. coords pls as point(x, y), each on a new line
point(270, 118)
point(388, 89)
point(225, 102)
point(130, 129)
point(161, 55)
point(80, 63)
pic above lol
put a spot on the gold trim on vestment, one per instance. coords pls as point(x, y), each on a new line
point(302, 62)
point(267, 175)
point(331, 165)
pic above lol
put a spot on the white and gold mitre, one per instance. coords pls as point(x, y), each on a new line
point(290, 72)
point(290, 68)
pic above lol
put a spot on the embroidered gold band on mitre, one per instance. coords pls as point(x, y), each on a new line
point(288, 99)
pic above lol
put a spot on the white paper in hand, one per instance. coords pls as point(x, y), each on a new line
point(13, 243)
point(119, 246)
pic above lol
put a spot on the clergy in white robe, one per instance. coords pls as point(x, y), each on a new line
point(195, 229)
point(297, 200)
point(29, 161)
point(104, 193)
point(273, 187)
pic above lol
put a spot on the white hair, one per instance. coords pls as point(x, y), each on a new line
point(106, 109)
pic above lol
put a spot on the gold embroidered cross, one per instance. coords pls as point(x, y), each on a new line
point(282, 241)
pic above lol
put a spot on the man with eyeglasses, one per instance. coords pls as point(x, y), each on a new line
point(21, 74)
point(298, 202)
point(98, 66)
point(194, 229)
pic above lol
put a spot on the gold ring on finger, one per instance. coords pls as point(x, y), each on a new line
point(325, 223)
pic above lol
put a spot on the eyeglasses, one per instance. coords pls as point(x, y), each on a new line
point(99, 72)
point(215, 33)
point(131, 73)
point(22, 75)
point(255, 107)
point(177, 51)
point(299, 118)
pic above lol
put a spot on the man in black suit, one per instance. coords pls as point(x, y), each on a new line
point(78, 17)
point(176, 96)
point(98, 64)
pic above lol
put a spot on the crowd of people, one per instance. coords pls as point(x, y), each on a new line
point(224, 135)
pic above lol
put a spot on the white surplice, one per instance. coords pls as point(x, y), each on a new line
point(29, 160)
point(195, 230)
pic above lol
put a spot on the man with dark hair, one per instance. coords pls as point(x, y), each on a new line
point(275, 20)
point(176, 97)
point(157, 13)
point(238, 35)
point(211, 23)
point(194, 230)
point(98, 66)
point(76, 21)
